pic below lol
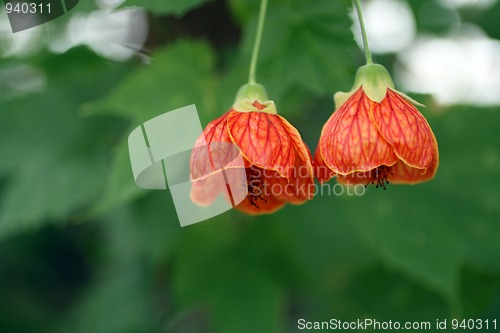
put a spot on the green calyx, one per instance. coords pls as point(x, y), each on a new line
point(253, 92)
point(375, 80)
point(250, 93)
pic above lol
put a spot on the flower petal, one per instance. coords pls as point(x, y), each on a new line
point(301, 178)
point(351, 142)
point(405, 128)
point(264, 140)
point(201, 163)
point(272, 205)
point(298, 187)
point(322, 172)
point(401, 173)
point(260, 198)
point(214, 163)
point(355, 178)
point(205, 191)
point(213, 150)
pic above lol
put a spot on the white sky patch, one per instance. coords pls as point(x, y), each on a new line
point(390, 25)
point(461, 69)
point(112, 34)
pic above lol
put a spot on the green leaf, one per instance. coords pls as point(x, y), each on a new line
point(156, 226)
point(305, 44)
point(409, 300)
point(175, 7)
point(240, 9)
point(328, 243)
point(118, 302)
point(470, 165)
point(119, 186)
point(53, 160)
point(242, 279)
point(411, 240)
point(137, 236)
point(180, 75)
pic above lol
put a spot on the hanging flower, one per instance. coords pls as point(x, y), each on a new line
point(276, 161)
point(376, 136)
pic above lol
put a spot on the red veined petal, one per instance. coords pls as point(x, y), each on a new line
point(295, 190)
point(260, 199)
point(205, 191)
point(301, 150)
point(351, 142)
point(406, 129)
point(298, 187)
point(273, 204)
point(404, 174)
point(213, 150)
point(355, 178)
point(399, 173)
point(263, 139)
point(322, 172)
point(201, 163)
point(300, 182)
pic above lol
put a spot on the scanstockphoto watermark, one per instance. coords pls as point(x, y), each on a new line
point(355, 172)
point(362, 324)
point(263, 182)
point(313, 189)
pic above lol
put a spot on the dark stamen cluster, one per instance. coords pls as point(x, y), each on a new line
point(254, 183)
point(380, 176)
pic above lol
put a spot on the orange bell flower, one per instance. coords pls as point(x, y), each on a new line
point(376, 136)
point(277, 162)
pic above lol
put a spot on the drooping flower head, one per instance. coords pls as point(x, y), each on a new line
point(276, 162)
point(376, 136)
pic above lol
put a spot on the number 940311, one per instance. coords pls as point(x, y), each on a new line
point(27, 8)
point(474, 324)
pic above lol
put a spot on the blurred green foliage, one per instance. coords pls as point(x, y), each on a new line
point(82, 249)
point(173, 7)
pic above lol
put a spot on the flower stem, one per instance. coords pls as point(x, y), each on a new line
point(256, 45)
point(368, 54)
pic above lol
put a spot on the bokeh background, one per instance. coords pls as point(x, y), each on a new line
point(82, 249)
